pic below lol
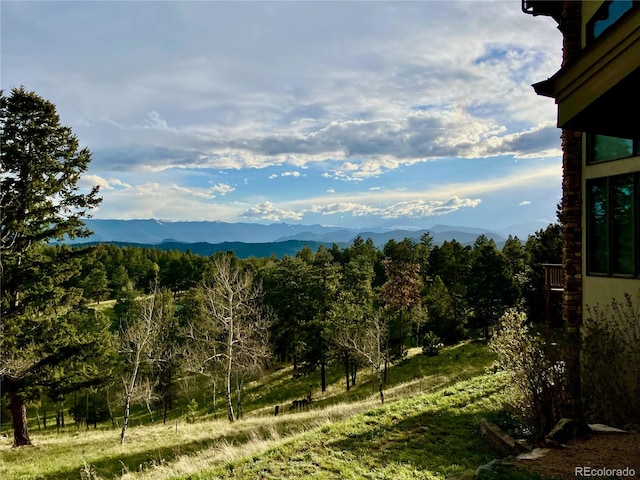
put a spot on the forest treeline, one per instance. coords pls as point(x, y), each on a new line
point(322, 302)
point(337, 306)
point(451, 290)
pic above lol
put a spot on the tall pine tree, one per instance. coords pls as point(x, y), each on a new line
point(47, 340)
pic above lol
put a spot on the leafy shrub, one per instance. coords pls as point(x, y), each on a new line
point(611, 362)
point(431, 344)
point(535, 362)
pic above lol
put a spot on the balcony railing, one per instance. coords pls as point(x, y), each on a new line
point(553, 277)
point(553, 285)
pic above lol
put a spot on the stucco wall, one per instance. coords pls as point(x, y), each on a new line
point(602, 290)
point(597, 289)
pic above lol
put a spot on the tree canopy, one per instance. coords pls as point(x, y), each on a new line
point(44, 332)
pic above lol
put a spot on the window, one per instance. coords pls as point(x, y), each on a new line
point(607, 15)
point(622, 228)
point(613, 225)
point(604, 149)
point(598, 241)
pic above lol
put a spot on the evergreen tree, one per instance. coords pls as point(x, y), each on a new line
point(325, 278)
point(423, 251)
point(96, 283)
point(491, 287)
point(401, 292)
point(44, 335)
point(354, 306)
point(287, 292)
point(442, 320)
point(452, 262)
point(514, 253)
point(120, 280)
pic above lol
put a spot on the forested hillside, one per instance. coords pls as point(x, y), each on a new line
point(359, 307)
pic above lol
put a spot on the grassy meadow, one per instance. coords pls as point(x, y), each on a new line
point(427, 428)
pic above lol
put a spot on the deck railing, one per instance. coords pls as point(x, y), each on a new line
point(553, 284)
point(553, 277)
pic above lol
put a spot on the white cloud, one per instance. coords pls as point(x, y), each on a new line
point(222, 188)
point(294, 173)
point(421, 208)
point(355, 209)
point(525, 202)
point(167, 201)
point(268, 211)
point(89, 181)
point(174, 200)
point(410, 209)
point(154, 120)
point(434, 83)
point(517, 180)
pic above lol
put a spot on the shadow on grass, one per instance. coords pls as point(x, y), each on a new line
point(114, 466)
point(406, 437)
point(117, 465)
point(439, 441)
point(432, 441)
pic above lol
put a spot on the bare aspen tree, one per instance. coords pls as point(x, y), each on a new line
point(140, 344)
point(201, 348)
point(369, 344)
point(147, 393)
point(230, 336)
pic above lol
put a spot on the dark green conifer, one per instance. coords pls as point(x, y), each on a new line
point(47, 339)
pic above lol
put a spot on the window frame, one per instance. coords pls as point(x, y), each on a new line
point(591, 152)
point(611, 252)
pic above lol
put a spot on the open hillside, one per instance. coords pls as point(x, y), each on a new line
point(428, 427)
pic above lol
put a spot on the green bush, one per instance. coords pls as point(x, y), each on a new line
point(610, 360)
point(534, 360)
point(192, 411)
point(431, 344)
point(89, 409)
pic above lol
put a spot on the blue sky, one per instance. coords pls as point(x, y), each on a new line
point(402, 114)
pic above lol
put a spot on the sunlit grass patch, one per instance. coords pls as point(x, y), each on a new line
point(425, 436)
point(428, 427)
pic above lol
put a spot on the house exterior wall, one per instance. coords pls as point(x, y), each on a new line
point(600, 206)
point(613, 398)
point(596, 289)
point(600, 289)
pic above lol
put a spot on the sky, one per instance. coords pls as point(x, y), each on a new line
point(358, 114)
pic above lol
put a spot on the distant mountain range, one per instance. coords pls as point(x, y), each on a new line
point(252, 239)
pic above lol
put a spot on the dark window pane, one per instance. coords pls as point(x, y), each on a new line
point(623, 244)
point(609, 14)
point(598, 233)
point(610, 148)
